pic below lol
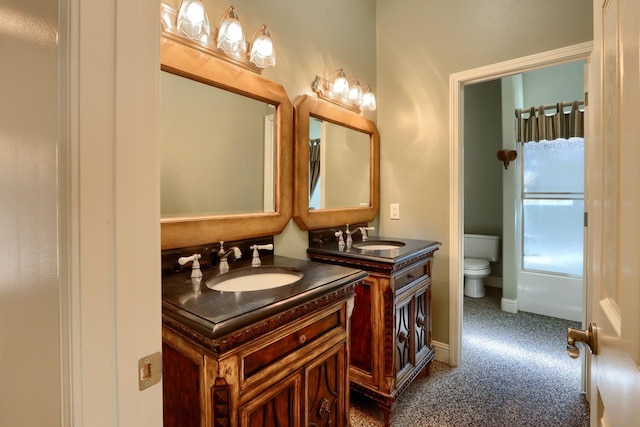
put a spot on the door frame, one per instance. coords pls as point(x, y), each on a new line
point(457, 81)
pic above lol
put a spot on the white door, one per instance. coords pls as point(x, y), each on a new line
point(614, 212)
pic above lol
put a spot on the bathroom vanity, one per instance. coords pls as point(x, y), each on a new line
point(392, 313)
point(272, 357)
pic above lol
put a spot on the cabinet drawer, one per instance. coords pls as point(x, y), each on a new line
point(409, 275)
point(275, 351)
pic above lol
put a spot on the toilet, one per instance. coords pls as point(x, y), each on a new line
point(479, 252)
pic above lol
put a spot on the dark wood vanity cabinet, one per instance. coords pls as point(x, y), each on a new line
point(391, 324)
point(288, 370)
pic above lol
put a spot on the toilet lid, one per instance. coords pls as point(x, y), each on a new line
point(475, 264)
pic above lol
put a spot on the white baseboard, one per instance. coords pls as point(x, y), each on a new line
point(442, 351)
point(509, 305)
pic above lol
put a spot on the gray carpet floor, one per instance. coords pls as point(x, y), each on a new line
point(514, 372)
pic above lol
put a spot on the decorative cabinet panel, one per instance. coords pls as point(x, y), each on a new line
point(391, 344)
point(287, 370)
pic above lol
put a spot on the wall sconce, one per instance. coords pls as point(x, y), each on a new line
point(507, 156)
point(190, 26)
point(346, 93)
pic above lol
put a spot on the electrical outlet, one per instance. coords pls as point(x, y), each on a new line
point(394, 211)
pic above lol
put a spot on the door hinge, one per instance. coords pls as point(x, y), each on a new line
point(149, 370)
point(586, 219)
point(586, 99)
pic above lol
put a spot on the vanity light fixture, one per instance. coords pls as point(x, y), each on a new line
point(262, 52)
point(346, 93)
point(230, 35)
point(192, 20)
point(190, 26)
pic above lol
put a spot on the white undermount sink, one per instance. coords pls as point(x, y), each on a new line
point(378, 245)
point(255, 279)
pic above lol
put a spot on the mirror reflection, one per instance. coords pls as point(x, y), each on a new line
point(339, 166)
point(217, 150)
point(337, 163)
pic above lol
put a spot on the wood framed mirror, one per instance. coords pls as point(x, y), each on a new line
point(336, 167)
point(226, 138)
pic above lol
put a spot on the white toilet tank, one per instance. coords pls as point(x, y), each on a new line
point(481, 246)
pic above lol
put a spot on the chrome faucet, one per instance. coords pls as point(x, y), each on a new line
point(195, 267)
point(224, 264)
point(255, 262)
point(349, 239)
point(363, 231)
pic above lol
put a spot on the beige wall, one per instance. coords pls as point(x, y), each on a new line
point(419, 45)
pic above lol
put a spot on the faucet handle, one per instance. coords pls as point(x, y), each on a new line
point(363, 231)
point(255, 262)
point(195, 267)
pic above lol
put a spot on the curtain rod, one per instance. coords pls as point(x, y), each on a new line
point(547, 107)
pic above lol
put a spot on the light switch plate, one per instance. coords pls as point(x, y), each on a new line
point(394, 211)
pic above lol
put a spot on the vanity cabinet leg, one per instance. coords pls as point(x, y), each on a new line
point(386, 412)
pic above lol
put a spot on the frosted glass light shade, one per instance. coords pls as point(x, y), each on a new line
point(355, 93)
point(368, 101)
point(262, 52)
point(339, 86)
point(192, 20)
point(230, 35)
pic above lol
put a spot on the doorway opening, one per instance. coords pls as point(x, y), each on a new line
point(458, 81)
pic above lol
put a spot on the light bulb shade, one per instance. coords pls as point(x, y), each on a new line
point(339, 87)
point(355, 93)
point(192, 20)
point(262, 52)
point(230, 35)
point(368, 100)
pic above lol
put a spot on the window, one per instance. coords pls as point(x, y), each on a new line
point(553, 206)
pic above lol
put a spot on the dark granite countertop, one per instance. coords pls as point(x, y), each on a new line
point(396, 255)
point(214, 313)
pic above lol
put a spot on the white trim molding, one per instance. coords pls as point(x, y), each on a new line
point(442, 351)
point(457, 81)
point(509, 305)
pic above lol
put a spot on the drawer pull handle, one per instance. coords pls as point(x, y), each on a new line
point(402, 337)
point(410, 276)
point(325, 408)
point(420, 321)
point(302, 339)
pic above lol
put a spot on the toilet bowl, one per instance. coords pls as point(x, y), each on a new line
point(475, 271)
point(479, 252)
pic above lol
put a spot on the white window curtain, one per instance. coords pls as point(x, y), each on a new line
point(550, 122)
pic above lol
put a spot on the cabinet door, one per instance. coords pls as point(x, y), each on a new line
point(326, 389)
point(422, 335)
point(279, 406)
point(404, 342)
